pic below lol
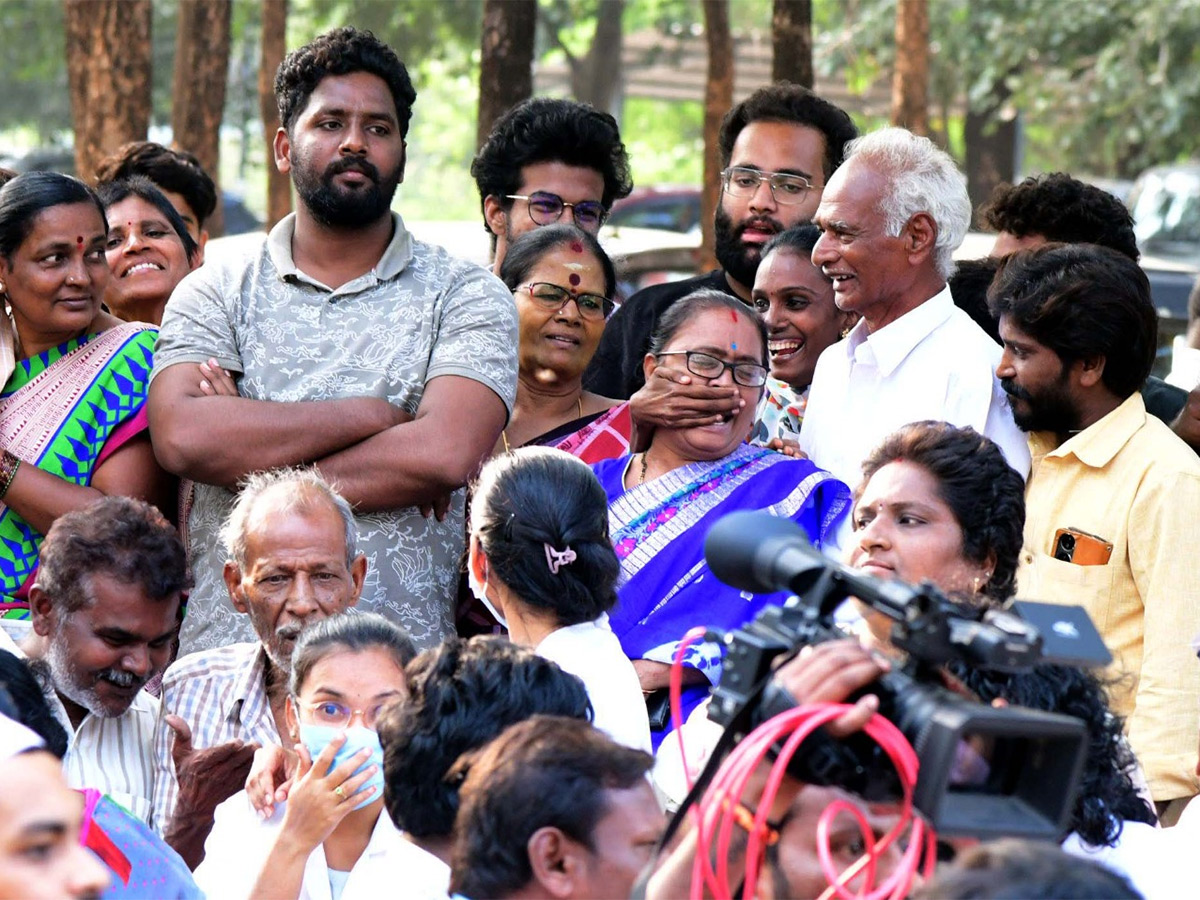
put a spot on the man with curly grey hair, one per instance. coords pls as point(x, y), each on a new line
point(891, 218)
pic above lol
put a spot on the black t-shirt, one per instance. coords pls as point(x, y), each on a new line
point(616, 369)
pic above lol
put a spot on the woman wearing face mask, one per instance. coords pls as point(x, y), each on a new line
point(541, 561)
point(329, 839)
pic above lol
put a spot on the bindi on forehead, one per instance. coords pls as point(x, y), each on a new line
point(574, 279)
point(79, 239)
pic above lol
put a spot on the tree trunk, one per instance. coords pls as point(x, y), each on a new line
point(274, 45)
point(108, 75)
point(991, 146)
point(791, 39)
point(718, 98)
point(506, 64)
point(198, 88)
point(910, 80)
point(596, 79)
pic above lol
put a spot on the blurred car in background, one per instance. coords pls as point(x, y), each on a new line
point(665, 207)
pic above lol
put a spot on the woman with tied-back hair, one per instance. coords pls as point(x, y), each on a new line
point(541, 561)
point(72, 412)
point(332, 837)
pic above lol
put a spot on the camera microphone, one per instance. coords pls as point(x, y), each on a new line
point(762, 553)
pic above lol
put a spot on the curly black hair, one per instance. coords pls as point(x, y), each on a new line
point(1107, 796)
point(985, 493)
point(547, 129)
point(342, 51)
point(171, 170)
point(461, 695)
point(787, 102)
point(122, 537)
point(1062, 209)
point(1082, 301)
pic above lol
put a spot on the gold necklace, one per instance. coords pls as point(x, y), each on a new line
point(579, 401)
point(642, 474)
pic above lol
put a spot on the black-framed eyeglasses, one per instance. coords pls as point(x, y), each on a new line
point(708, 366)
point(554, 297)
point(546, 209)
point(786, 189)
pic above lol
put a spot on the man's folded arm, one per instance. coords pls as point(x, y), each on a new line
point(219, 439)
point(456, 427)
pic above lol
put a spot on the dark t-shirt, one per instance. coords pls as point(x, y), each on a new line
point(616, 369)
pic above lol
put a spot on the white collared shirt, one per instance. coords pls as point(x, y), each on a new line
point(931, 363)
point(591, 652)
point(390, 866)
point(114, 756)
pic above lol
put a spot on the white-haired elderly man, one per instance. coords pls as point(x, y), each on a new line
point(891, 218)
point(292, 560)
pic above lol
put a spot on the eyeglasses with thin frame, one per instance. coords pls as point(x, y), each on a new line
point(554, 297)
point(339, 715)
point(546, 209)
point(708, 366)
point(787, 189)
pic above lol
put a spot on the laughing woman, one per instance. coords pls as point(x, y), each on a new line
point(795, 300)
point(662, 501)
point(148, 249)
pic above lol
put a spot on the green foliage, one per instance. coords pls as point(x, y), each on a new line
point(33, 69)
point(1104, 86)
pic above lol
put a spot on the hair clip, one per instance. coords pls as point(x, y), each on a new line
point(556, 558)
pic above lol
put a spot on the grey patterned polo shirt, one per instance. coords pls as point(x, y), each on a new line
point(420, 313)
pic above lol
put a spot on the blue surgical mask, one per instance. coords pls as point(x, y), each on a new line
point(317, 737)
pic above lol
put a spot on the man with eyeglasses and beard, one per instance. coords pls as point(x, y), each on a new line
point(293, 561)
point(778, 146)
point(105, 609)
point(340, 341)
point(549, 160)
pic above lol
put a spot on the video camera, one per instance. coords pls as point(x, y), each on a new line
point(984, 771)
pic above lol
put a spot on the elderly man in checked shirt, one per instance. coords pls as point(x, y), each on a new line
point(292, 560)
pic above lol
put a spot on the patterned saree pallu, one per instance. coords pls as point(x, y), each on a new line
point(66, 411)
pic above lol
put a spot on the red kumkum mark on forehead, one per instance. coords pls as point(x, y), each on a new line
point(577, 246)
point(733, 315)
point(79, 239)
point(574, 279)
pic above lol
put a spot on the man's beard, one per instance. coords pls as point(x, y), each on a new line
point(738, 259)
point(337, 207)
point(1050, 409)
point(66, 680)
point(279, 647)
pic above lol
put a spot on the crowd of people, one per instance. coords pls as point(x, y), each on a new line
point(338, 567)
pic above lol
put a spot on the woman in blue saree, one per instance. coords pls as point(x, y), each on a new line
point(663, 501)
